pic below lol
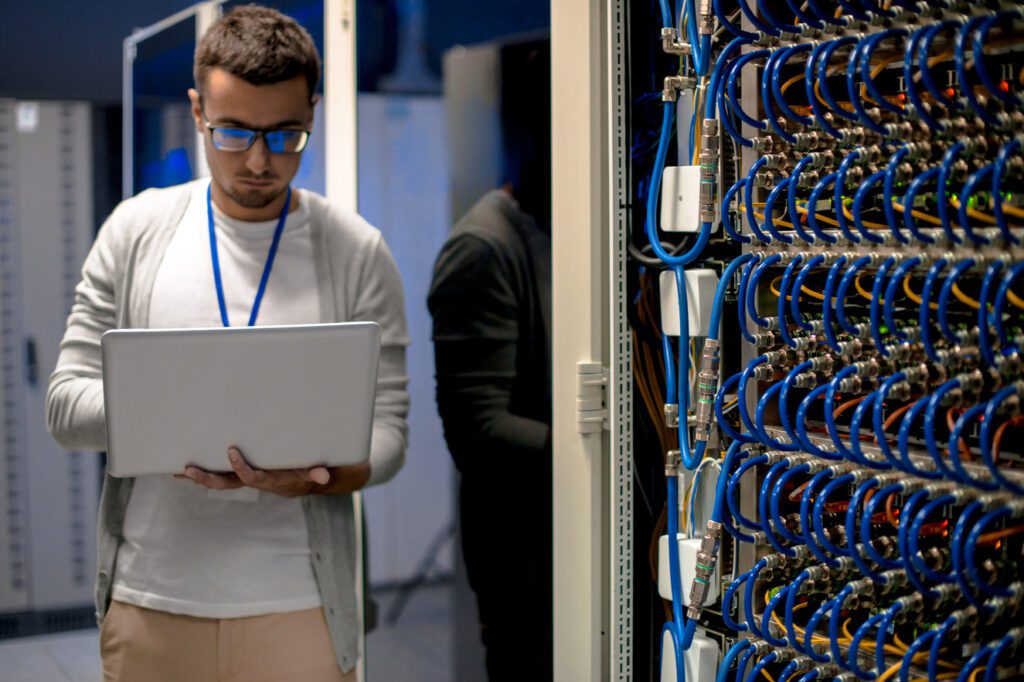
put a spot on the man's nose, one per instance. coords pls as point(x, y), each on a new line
point(257, 158)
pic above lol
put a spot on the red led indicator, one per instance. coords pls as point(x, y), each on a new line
point(1004, 86)
point(950, 92)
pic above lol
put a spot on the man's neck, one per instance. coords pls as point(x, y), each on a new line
point(232, 209)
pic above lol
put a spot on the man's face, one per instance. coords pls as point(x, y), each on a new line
point(250, 182)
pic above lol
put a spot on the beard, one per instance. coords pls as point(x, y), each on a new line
point(254, 198)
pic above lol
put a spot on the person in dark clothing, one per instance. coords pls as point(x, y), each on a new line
point(491, 305)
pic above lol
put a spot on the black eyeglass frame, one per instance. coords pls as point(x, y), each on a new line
point(258, 133)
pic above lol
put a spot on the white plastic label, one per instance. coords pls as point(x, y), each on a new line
point(700, 297)
point(680, 199)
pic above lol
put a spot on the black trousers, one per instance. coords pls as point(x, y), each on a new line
point(506, 543)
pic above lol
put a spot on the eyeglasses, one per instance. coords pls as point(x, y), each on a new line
point(278, 141)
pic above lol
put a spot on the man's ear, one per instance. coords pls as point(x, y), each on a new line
point(197, 109)
point(314, 100)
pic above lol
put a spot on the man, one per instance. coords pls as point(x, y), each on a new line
point(491, 305)
point(250, 575)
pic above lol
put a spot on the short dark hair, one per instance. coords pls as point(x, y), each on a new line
point(259, 45)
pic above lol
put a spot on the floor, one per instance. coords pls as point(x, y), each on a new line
point(418, 646)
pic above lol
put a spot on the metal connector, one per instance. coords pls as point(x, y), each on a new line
point(673, 458)
point(707, 389)
point(671, 45)
point(672, 86)
point(672, 415)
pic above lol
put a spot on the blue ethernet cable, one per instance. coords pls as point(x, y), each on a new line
point(734, 651)
point(762, 510)
point(966, 192)
point(801, 425)
point(818, 514)
point(978, 48)
point(858, 637)
point(723, 423)
point(916, 646)
point(799, 13)
point(870, 507)
point(725, 115)
point(1007, 346)
point(903, 541)
point(914, 536)
point(732, 76)
point(833, 626)
point(945, 292)
point(820, 115)
point(903, 442)
point(748, 200)
point(731, 486)
point(806, 526)
point(732, 28)
point(776, 84)
point(843, 288)
point(717, 73)
point(955, 436)
point(748, 601)
point(764, 662)
point(888, 187)
point(854, 453)
point(830, 408)
point(763, 9)
point(931, 414)
point(822, 76)
point(826, 304)
point(676, 625)
point(924, 311)
point(791, 203)
point(909, 69)
point(957, 553)
point(839, 189)
point(670, 370)
point(751, 289)
point(741, 295)
point(857, 208)
point(828, 15)
point(775, 500)
point(921, 63)
point(784, 287)
point(848, 8)
point(991, 673)
point(960, 61)
point(741, 392)
point(790, 670)
point(878, 418)
point(766, 96)
point(988, 285)
point(985, 437)
point(766, 618)
point(794, 589)
point(942, 190)
point(807, 645)
point(759, 421)
point(910, 196)
point(970, 547)
point(729, 596)
point(741, 666)
point(852, 517)
point(853, 87)
point(871, 44)
point(812, 203)
point(935, 651)
point(798, 285)
point(875, 307)
point(902, 270)
point(884, 628)
point(998, 172)
point(769, 212)
point(787, 386)
point(730, 229)
point(975, 662)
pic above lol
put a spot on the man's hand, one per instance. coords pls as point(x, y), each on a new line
point(284, 482)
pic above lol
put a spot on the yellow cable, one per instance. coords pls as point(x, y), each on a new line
point(1015, 211)
point(974, 213)
point(1016, 300)
point(914, 297)
point(864, 293)
point(917, 214)
point(760, 216)
point(964, 298)
point(819, 217)
point(774, 286)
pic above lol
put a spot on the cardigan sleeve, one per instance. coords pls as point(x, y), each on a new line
point(380, 300)
point(74, 399)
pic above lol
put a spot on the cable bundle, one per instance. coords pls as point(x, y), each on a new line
point(879, 421)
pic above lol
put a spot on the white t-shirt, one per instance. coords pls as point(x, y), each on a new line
point(222, 554)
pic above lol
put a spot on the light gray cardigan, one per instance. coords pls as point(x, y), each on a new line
point(357, 280)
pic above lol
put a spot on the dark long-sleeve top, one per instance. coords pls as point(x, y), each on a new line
point(491, 305)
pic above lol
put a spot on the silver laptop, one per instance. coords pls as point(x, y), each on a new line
point(287, 397)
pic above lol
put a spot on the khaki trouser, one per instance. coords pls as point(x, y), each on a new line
point(142, 645)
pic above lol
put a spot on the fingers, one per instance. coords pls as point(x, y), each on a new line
point(249, 476)
point(319, 475)
point(212, 481)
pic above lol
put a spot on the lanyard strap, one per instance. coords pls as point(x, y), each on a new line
point(266, 268)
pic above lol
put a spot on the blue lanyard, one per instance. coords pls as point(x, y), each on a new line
point(266, 268)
